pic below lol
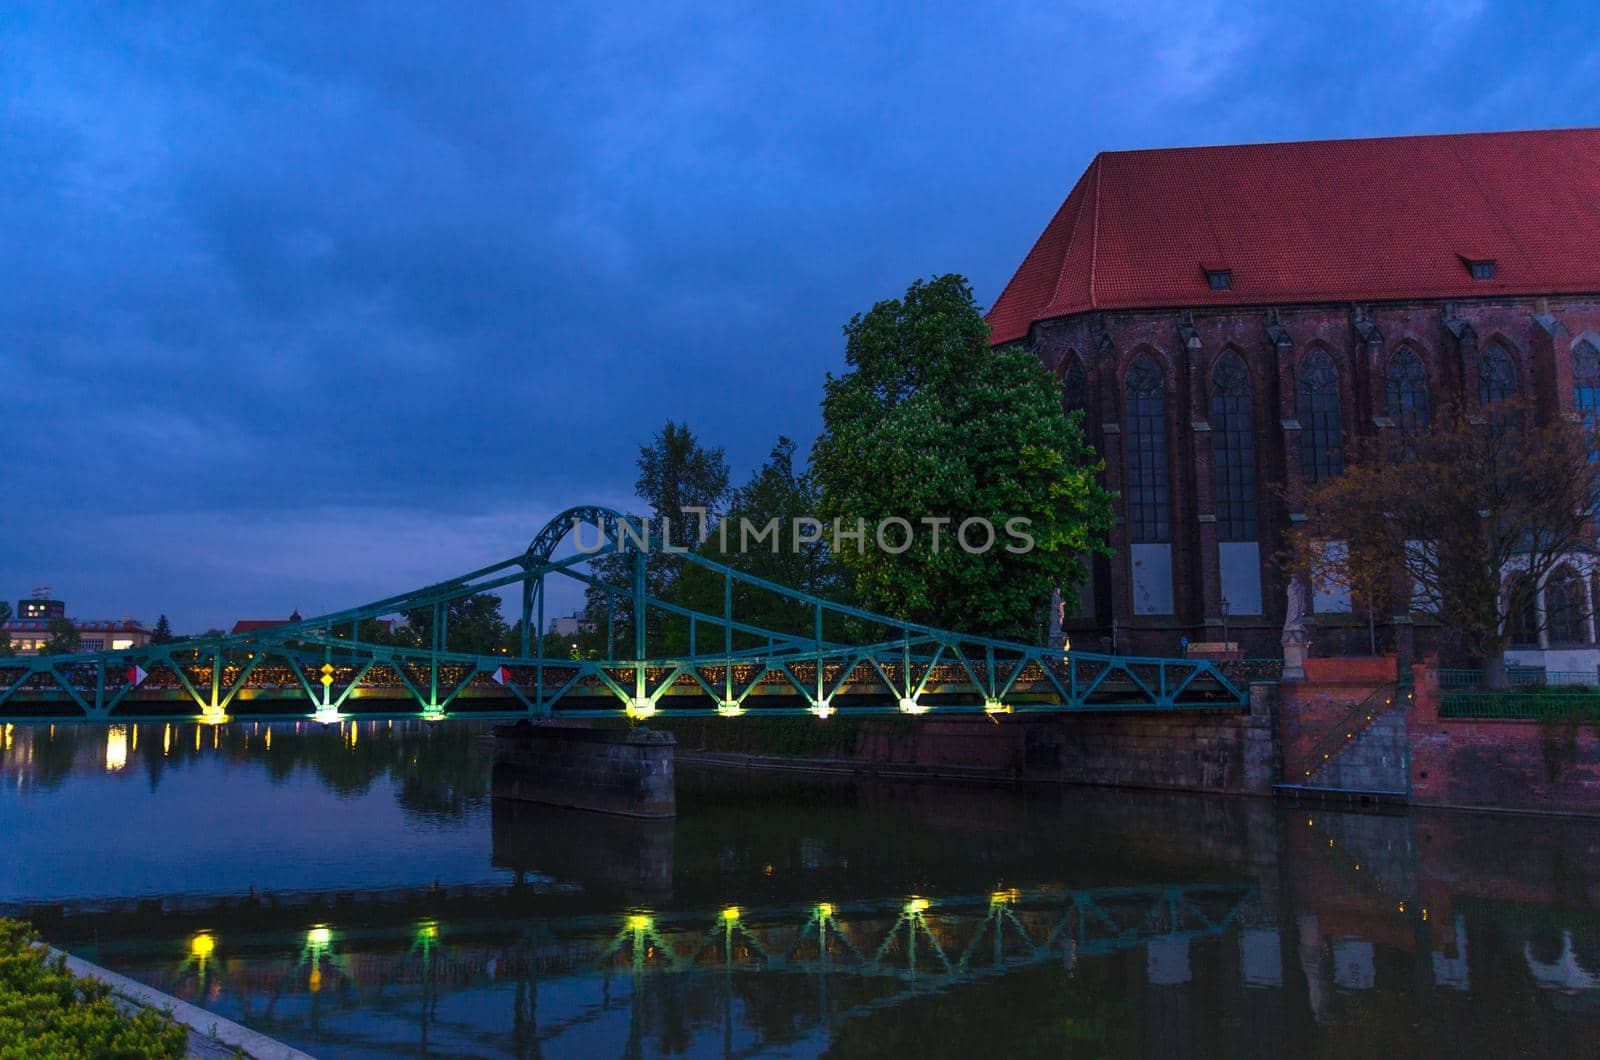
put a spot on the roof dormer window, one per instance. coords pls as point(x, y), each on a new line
point(1219, 279)
point(1481, 268)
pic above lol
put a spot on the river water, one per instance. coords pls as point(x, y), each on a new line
point(355, 891)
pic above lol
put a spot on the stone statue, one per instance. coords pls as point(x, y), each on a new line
point(1294, 632)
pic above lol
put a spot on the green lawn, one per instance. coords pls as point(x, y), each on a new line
point(46, 1012)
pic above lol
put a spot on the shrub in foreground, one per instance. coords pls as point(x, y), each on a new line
point(46, 1012)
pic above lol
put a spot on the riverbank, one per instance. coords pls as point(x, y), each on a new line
point(49, 1008)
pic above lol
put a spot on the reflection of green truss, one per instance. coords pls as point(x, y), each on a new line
point(850, 660)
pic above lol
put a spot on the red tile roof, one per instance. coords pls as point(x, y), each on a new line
point(1323, 220)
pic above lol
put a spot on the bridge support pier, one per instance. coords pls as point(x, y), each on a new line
point(621, 771)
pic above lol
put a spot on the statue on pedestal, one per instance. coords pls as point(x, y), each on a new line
point(1294, 632)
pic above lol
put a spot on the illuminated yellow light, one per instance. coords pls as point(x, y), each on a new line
point(1006, 897)
point(911, 706)
point(731, 913)
point(166, 739)
point(268, 737)
point(433, 714)
point(639, 922)
point(213, 716)
point(823, 709)
point(994, 706)
point(917, 905)
point(328, 716)
point(1402, 907)
point(116, 748)
point(825, 910)
point(315, 982)
point(319, 935)
point(730, 710)
point(202, 945)
point(428, 929)
point(641, 708)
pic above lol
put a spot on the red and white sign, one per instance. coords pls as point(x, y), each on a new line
point(137, 674)
point(501, 675)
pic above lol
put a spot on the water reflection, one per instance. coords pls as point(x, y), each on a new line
point(799, 915)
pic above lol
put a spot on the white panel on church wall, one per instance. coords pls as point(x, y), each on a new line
point(1330, 596)
point(1152, 579)
point(1240, 563)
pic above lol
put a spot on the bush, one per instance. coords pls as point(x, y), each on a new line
point(46, 1012)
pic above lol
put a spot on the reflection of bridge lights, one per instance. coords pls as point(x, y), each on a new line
point(731, 913)
point(917, 906)
point(730, 709)
point(911, 706)
point(116, 748)
point(203, 945)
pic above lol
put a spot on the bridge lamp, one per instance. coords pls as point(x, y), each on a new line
point(911, 706)
point(639, 922)
point(330, 716)
point(918, 906)
point(433, 714)
point(729, 709)
point(994, 706)
point(202, 946)
point(825, 910)
point(641, 708)
point(731, 914)
point(319, 936)
point(212, 716)
point(823, 709)
point(1009, 896)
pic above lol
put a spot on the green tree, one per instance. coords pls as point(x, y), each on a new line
point(5, 638)
point(472, 624)
point(63, 637)
point(675, 472)
point(778, 493)
point(930, 422)
point(162, 634)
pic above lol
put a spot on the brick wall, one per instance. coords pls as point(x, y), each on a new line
point(1309, 709)
point(1500, 764)
point(1447, 335)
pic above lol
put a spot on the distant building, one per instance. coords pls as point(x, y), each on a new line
point(256, 625)
point(29, 636)
point(41, 606)
point(571, 625)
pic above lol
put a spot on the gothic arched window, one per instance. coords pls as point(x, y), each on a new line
point(1407, 389)
point(1565, 608)
point(1497, 374)
point(1075, 384)
point(1586, 390)
point(1321, 436)
point(1145, 433)
point(1522, 612)
point(1233, 449)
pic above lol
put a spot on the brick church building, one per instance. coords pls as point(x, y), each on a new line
point(1231, 319)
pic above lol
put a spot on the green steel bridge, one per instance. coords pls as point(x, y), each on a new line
point(847, 661)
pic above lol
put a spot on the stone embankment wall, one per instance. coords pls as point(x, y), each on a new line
point(1504, 764)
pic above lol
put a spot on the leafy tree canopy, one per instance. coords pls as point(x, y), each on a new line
point(930, 421)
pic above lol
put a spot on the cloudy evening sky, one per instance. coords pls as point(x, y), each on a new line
point(308, 305)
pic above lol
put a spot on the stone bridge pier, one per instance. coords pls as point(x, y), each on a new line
point(621, 771)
